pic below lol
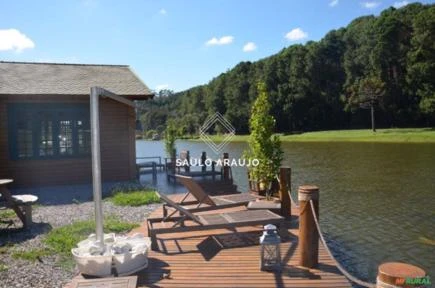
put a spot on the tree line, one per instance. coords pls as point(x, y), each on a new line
point(317, 86)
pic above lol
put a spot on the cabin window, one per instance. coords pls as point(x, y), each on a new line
point(41, 131)
point(45, 139)
point(25, 137)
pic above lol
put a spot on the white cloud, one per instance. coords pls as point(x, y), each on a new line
point(225, 40)
point(162, 87)
point(249, 47)
point(296, 34)
point(371, 4)
point(399, 4)
point(163, 11)
point(12, 39)
point(333, 3)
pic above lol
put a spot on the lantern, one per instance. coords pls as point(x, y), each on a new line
point(270, 252)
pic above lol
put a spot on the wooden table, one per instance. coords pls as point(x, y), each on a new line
point(14, 202)
point(5, 181)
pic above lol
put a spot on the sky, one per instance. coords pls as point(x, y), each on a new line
point(170, 44)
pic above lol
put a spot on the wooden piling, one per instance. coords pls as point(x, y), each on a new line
point(396, 274)
point(203, 158)
point(284, 190)
point(187, 167)
point(226, 168)
point(308, 234)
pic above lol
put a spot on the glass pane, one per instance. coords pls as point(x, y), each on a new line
point(46, 138)
point(65, 138)
point(24, 137)
point(84, 137)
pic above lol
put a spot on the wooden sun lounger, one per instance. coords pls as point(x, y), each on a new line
point(228, 220)
point(205, 202)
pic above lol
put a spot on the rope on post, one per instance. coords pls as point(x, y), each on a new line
point(341, 268)
point(289, 191)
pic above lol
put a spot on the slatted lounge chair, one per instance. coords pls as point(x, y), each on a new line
point(228, 220)
point(204, 202)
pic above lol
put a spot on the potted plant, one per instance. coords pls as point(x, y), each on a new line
point(264, 146)
point(171, 134)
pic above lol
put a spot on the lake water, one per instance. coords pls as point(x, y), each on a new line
point(377, 201)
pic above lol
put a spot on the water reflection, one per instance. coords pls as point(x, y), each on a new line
point(377, 200)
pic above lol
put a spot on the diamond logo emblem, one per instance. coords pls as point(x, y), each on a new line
point(211, 121)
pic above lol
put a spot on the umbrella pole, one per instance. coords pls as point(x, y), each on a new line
point(96, 165)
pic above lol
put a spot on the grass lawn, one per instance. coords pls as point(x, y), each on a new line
point(31, 255)
point(134, 198)
point(7, 214)
point(398, 135)
point(60, 241)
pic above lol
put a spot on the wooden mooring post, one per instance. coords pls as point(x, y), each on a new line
point(203, 159)
point(226, 168)
point(284, 190)
point(308, 234)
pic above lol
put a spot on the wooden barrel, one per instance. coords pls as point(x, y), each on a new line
point(396, 274)
point(308, 234)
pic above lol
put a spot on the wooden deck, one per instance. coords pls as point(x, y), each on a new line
point(223, 258)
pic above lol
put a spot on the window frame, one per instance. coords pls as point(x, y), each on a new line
point(58, 112)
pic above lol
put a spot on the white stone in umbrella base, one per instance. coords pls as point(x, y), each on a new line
point(128, 254)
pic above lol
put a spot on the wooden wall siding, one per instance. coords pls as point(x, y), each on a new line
point(3, 139)
point(116, 141)
point(132, 142)
point(118, 152)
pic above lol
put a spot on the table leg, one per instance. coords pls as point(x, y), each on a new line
point(28, 215)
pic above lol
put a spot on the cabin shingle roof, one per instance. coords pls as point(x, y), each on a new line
point(18, 78)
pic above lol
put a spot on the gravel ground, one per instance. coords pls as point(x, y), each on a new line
point(44, 273)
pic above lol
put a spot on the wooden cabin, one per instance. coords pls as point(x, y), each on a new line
point(45, 122)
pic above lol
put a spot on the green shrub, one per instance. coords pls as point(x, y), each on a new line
point(263, 144)
point(171, 135)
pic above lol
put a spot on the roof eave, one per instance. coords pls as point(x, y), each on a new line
point(139, 97)
point(130, 97)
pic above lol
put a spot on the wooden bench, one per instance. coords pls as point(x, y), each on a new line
point(21, 204)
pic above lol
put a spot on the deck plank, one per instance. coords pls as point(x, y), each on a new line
point(223, 258)
point(115, 282)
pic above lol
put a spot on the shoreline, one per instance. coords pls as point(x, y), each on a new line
point(396, 135)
